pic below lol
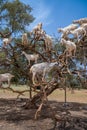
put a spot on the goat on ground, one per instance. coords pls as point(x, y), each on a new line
point(6, 77)
point(31, 57)
point(70, 47)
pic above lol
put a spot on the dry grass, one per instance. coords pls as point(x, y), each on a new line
point(79, 96)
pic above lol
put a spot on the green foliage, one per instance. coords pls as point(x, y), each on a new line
point(2, 55)
point(73, 81)
point(16, 16)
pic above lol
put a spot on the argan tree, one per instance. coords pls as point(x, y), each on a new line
point(15, 18)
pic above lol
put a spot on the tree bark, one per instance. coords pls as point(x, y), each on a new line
point(37, 98)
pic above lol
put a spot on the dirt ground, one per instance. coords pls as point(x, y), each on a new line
point(13, 116)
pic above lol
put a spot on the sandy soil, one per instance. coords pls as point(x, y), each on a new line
point(13, 116)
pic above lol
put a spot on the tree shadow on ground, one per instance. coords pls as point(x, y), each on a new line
point(13, 112)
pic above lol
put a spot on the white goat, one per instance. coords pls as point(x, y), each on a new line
point(6, 77)
point(41, 68)
point(80, 21)
point(31, 57)
point(67, 29)
point(6, 41)
point(39, 34)
point(38, 27)
point(70, 47)
point(24, 39)
point(47, 39)
point(84, 25)
point(48, 42)
point(78, 32)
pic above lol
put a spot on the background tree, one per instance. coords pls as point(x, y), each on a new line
point(15, 17)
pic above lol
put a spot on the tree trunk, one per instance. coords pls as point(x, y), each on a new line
point(37, 98)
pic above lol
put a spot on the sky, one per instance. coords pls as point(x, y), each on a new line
point(56, 13)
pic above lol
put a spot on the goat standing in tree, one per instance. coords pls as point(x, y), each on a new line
point(37, 28)
point(6, 77)
point(6, 41)
point(24, 39)
point(80, 21)
point(41, 69)
point(36, 31)
point(48, 42)
point(67, 29)
point(79, 32)
point(84, 25)
point(31, 57)
point(70, 47)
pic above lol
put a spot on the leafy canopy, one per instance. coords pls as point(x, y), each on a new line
point(15, 16)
